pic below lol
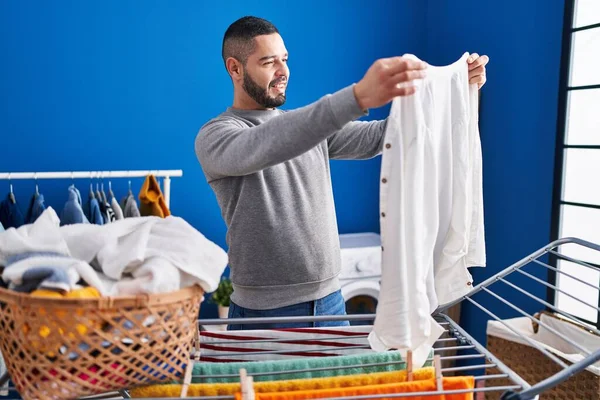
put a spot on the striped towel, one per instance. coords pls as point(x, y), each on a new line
point(258, 345)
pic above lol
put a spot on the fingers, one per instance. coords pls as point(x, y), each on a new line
point(475, 61)
point(396, 65)
point(477, 71)
point(404, 91)
point(479, 79)
point(406, 76)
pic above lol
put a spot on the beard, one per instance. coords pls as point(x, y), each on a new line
point(260, 95)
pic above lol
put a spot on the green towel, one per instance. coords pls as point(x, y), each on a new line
point(307, 363)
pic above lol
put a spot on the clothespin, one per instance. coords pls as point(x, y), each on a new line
point(409, 367)
point(437, 364)
point(247, 385)
point(187, 379)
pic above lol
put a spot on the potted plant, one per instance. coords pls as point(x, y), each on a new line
point(221, 296)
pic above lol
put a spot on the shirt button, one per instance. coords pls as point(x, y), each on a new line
point(383, 214)
point(469, 283)
point(387, 146)
point(384, 180)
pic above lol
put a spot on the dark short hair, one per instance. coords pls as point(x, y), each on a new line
point(238, 41)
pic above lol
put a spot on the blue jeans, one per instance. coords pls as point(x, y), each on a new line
point(332, 304)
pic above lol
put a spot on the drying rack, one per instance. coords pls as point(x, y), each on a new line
point(166, 174)
point(528, 272)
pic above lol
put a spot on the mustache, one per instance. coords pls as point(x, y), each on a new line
point(278, 81)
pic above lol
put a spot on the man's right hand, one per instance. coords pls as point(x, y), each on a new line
point(388, 78)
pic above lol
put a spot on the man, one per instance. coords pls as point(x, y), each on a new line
point(270, 172)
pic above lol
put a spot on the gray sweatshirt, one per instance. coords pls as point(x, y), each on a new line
point(269, 170)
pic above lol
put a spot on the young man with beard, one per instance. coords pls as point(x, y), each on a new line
point(269, 169)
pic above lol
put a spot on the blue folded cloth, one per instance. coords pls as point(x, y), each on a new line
point(40, 273)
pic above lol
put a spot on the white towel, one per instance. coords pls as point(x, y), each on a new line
point(124, 246)
point(134, 255)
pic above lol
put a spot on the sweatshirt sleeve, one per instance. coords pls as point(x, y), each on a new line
point(357, 140)
point(225, 147)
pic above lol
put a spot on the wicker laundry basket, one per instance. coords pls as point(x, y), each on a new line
point(533, 367)
point(59, 348)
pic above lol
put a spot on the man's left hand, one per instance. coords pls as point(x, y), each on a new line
point(477, 69)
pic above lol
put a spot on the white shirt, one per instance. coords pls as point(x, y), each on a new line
point(431, 207)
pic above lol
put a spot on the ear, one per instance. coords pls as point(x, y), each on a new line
point(234, 68)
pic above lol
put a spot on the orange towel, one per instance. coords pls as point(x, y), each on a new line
point(450, 383)
point(152, 201)
point(228, 389)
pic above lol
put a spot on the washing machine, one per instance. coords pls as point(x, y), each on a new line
point(360, 276)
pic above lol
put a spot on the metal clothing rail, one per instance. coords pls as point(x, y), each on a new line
point(453, 339)
point(166, 174)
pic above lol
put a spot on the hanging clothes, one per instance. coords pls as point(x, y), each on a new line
point(72, 212)
point(92, 210)
point(114, 205)
point(151, 198)
point(36, 208)
point(10, 213)
point(130, 207)
point(108, 213)
point(431, 208)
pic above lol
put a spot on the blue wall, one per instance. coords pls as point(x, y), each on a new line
point(123, 85)
point(126, 85)
point(517, 125)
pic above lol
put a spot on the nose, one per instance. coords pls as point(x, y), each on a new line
point(282, 70)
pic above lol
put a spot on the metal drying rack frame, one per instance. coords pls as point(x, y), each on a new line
point(455, 338)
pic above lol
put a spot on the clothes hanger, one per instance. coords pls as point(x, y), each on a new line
point(129, 192)
point(37, 190)
point(102, 187)
point(91, 194)
point(11, 195)
point(98, 194)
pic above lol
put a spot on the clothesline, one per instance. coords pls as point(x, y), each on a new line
point(166, 174)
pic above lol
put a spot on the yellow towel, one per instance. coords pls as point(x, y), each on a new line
point(228, 389)
point(152, 201)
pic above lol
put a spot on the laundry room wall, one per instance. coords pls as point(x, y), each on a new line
point(518, 116)
point(124, 85)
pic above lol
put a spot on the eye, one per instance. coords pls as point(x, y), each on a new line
point(268, 63)
point(284, 60)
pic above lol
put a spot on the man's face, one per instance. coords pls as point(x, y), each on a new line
point(266, 73)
